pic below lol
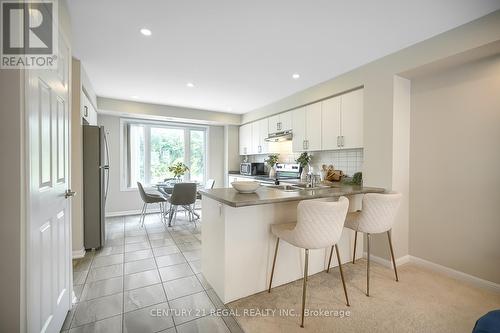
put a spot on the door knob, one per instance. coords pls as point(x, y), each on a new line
point(69, 193)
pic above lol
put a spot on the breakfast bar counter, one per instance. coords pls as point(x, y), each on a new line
point(237, 244)
point(268, 194)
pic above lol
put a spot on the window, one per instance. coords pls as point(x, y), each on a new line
point(152, 147)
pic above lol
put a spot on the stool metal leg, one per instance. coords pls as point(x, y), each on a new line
point(329, 261)
point(143, 215)
point(368, 265)
point(274, 263)
point(304, 286)
point(392, 254)
point(342, 274)
point(355, 240)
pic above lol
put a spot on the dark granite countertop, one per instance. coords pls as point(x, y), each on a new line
point(267, 195)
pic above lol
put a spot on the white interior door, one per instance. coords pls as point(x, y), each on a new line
point(48, 252)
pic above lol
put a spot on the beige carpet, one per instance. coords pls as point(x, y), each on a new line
point(422, 301)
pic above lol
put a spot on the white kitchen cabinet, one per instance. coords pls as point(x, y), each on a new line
point(313, 127)
point(352, 119)
point(263, 134)
point(280, 122)
point(342, 121)
point(306, 122)
point(245, 136)
point(299, 129)
point(330, 126)
point(255, 147)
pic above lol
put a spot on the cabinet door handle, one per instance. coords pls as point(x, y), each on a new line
point(307, 144)
point(342, 141)
point(338, 140)
point(86, 113)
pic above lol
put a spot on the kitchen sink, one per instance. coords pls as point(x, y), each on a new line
point(305, 187)
point(286, 188)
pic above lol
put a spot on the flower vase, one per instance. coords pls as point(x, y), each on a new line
point(272, 172)
point(303, 173)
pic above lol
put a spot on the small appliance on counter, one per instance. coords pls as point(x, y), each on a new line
point(252, 169)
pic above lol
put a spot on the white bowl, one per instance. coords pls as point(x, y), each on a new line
point(246, 187)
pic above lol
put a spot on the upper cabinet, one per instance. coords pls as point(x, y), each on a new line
point(335, 123)
point(263, 147)
point(342, 126)
point(352, 119)
point(245, 139)
point(330, 125)
point(306, 122)
point(280, 122)
point(257, 137)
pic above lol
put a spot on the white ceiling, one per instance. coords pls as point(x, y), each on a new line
point(241, 54)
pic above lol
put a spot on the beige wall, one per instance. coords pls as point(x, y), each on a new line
point(378, 80)
point(163, 112)
point(129, 200)
point(455, 164)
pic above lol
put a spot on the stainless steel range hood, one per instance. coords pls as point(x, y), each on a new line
point(279, 136)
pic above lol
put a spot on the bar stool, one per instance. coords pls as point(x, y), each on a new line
point(377, 216)
point(319, 225)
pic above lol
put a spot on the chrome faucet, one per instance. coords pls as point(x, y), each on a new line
point(311, 180)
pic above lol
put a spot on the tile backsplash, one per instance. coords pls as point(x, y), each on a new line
point(349, 161)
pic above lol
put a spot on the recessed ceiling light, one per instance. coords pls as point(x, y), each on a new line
point(146, 32)
point(229, 109)
point(190, 85)
point(134, 96)
point(296, 76)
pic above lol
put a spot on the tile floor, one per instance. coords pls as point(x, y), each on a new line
point(145, 280)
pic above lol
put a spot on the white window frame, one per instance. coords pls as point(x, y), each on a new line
point(124, 165)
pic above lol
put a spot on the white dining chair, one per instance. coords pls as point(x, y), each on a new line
point(377, 215)
point(319, 225)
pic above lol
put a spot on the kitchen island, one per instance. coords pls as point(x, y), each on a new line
point(237, 244)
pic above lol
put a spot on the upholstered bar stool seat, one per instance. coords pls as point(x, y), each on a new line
point(319, 225)
point(377, 215)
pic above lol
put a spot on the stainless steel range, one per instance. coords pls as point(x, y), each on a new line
point(288, 171)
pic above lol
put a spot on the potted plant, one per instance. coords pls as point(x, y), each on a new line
point(303, 161)
point(271, 161)
point(179, 169)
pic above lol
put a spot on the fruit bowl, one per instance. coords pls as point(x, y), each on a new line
point(246, 186)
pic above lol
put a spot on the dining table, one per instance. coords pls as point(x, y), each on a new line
point(167, 188)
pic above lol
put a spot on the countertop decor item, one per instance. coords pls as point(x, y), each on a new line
point(357, 179)
point(271, 161)
point(178, 169)
point(330, 174)
point(303, 161)
point(245, 186)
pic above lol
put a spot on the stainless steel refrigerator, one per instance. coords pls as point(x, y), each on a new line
point(95, 185)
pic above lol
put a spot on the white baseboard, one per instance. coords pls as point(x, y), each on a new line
point(131, 212)
point(461, 276)
point(77, 254)
point(478, 282)
point(388, 263)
